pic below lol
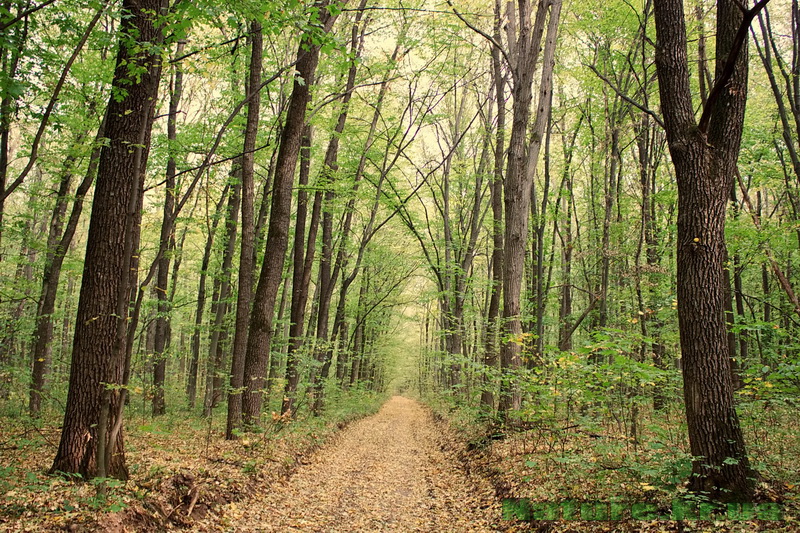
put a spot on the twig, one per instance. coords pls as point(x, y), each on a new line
point(480, 32)
point(627, 98)
point(194, 501)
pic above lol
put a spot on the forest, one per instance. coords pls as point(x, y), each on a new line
point(555, 242)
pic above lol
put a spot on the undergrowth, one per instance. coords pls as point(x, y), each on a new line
point(183, 474)
point(554, 456)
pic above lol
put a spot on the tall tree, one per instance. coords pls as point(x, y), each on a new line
point(705, 155)
point(496, 199)
point(327, 280)
point(246, 259)
point(194, 362)
point(162, 331)
point(97, 375)
point(302, 260)
point(523, 156)
point(58, 242)
point(221, 294)
point(280, 212)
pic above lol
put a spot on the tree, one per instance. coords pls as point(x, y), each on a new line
point(97, 375)
point(523, 156)
point(705, 154)
point(58, 242)
point(269, 279)
point(246, 259)
point(496, 200)
point(167, 244)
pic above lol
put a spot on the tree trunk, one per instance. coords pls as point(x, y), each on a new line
point(246, 258)
point(10, 53)
point(167, 244)
point(194, 364)
point(221, 294)
point(705, 156)
point(58, 243)
point(98, 357)
point(280, 212)
point(496, 198)
point(522, 160)
point(301, 275)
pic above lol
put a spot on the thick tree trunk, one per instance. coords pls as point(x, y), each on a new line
point(98, 358)
point(705, 157)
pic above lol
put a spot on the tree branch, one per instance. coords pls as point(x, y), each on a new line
point(628, 98)
point(730, 64)
point(24, 14)
point(52, 103)
point(479, 32)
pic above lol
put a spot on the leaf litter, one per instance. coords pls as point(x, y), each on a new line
point(393, 471)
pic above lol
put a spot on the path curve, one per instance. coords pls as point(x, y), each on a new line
point(386, 472)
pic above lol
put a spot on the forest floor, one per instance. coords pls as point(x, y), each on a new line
point(406, 467)
point(400, 469)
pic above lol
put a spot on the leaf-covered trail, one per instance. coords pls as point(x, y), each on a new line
point(386, 472)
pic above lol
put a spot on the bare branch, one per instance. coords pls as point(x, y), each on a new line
point(480, 32)
point(730, 64)
point(626, 97)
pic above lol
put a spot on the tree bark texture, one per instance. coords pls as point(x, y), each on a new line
point(705, 156)
point(98, 358)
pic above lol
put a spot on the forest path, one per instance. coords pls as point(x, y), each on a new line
point(386, 472)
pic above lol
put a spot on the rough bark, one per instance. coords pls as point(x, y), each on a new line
point(246, 257)
point(98, 357)
point(704, 155)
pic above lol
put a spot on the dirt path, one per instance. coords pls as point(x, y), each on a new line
point(386, 472)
